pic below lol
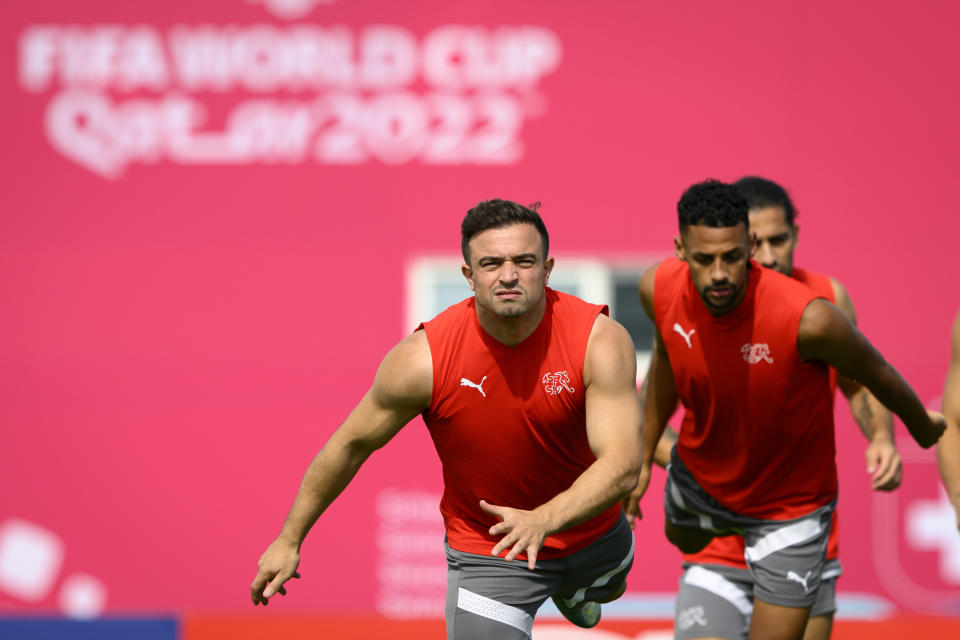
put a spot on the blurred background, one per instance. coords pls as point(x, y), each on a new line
point(217, 216)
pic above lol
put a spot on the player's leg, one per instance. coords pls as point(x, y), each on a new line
point(488, 597)
point(821, 615)
point(786, 560)
point(693, 517)
point(777, 622)
point(714, 603)
point(687, 539)
point(819, 627)
point(595, 574)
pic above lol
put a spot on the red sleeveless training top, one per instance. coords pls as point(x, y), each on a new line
point(728, 550)
point(758, 435)
point(509, 423)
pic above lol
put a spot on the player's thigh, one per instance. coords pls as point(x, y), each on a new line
point(787, 558)
point(713, 602)
point(693, 517)
point(821, 615)
point(819, 627)
point(599, 571)
point(776, 622)
point(686, 539)
point(488, 597)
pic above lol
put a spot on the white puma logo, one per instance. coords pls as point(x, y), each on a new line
point(686, 336)
point(478, 386)
point(791, 575)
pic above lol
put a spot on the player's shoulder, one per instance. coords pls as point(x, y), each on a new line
point(609, 348)
point(406, 371)
point(573, 309)
point(609, 330)
point(661, 271)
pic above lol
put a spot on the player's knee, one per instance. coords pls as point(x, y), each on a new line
point(685, 539)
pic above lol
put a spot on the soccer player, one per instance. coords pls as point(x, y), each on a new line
point(529, 395)
point(948, 449)
point(748, 351)
point(715, 598)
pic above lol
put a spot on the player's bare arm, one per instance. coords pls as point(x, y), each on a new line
point(948, 449)
point(400, 391)
point(827, 335)
point(659, 399)
point(873, 419)
point(613, 432)
point(661, 457)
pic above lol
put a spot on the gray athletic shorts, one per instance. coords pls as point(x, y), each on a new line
point(786, 557)
point(716, 601)
point(488, 597)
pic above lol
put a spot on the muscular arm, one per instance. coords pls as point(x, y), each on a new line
point(659, 400)
point(948, 449)
point(613, 431)
point(827, 335)
point(874, 420)
point(400, 391)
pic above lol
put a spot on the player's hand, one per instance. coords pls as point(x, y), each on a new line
point(522, 531)
point(277, 565)
point(631, 503)
point(932, 431)
point(884, 464)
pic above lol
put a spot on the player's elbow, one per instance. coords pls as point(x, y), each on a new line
point(627, 479)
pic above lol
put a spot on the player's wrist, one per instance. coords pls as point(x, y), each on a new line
point(290, 538)
point(882, 437)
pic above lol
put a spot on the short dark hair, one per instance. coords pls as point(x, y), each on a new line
point(714, 204)
point(761, 193)
point(495, 214)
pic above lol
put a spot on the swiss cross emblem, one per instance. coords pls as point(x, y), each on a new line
point(554, 383)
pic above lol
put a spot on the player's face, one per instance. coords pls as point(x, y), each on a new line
point(507, 270)
point(718, 259)
point(775, 239)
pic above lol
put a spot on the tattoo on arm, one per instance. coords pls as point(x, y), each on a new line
point(864, 412)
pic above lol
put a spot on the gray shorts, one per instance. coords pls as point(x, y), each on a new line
point(716, 601)
point(488, 597)
point(785, 557)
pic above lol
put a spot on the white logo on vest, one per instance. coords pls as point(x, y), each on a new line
point(554, 383)
point(754, 353)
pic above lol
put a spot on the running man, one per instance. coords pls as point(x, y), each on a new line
point(529, 395)
point(948, 449)
point(715, 599)
point(747, 351)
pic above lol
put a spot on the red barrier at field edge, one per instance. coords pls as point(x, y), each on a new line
point(212, 627)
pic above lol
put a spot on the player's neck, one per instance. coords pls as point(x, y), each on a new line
point(741, 296)
point(511, 331)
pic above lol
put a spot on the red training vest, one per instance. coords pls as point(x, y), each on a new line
point(509, 423)
point(729, 550)
point(758, 435)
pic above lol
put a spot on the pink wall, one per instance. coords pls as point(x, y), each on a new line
point(182, 333)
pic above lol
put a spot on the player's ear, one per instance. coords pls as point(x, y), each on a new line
point(754, 243)
point(796, 232)
point(468, 274)
point(678, 249)
point(547, 269)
